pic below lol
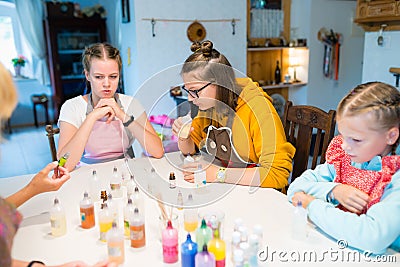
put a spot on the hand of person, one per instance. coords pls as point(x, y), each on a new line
point(177, 128)
point(110, 102)
point(353, 199)
point(103, 112)
point(42, 183)
point(188, 172)
point(105, 263)
point(303, 197)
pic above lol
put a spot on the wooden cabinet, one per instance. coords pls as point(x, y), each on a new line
point(371, 14)
point(261, 59)
point(66, 37)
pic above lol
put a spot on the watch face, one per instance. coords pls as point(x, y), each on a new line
point(63, 8)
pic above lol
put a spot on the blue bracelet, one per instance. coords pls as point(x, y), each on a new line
point(33, 262)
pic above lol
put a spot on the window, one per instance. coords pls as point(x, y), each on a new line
point(11, 39)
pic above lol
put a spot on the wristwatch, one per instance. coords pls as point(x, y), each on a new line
point(128, 122)
point(221, 175)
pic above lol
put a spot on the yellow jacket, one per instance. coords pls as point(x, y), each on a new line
point(257, 134)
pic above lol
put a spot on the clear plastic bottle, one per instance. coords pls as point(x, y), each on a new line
point(128, 214)
point(115, 184)
point(204, 258)
point(57, 219)
point(95, 186)
point(217, 247)
point(188, 252)
point(243, 233)
point(238, 258)
point(258, 230)
point(235, 242)
point(113, 208)
point(203, 235)
point(190, 216)
point(253, 250)
point(105, 222)
point(200, 177)
point(137, 201)
point(87, 212)
point(299, 222)
point(130, 186)
point(137, 230)
point(187, 124)
point(244, 246)
point(115, 245)
point(237, 223)
point(170, 244)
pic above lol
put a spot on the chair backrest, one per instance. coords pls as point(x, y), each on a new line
point(300, 123)
point(50, 135)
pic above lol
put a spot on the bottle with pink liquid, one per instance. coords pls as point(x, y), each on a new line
point(170, 244)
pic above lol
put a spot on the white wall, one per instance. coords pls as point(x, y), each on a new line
point(378, 59)
point(152, 55)
point(311, 15)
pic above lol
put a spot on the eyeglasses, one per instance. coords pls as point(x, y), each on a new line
point(195, 93)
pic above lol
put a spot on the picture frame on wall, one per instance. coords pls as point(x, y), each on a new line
point(125, 11)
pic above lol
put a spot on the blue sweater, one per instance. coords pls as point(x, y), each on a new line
point(374, 231)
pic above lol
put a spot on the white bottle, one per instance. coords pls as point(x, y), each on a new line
point(105, 221)
point(138, 200)
point(235, 243)
point(200, 177)
point(238, 258)
point(187, 124)
point(57, 219)
point(253, 250)
point(237, 223)
point(299, 222)
point(115, 184)
point(113, 208)
point(130, 186)
point(95, 187)
point(128, 213)
point(245, 247)
point(115, 245)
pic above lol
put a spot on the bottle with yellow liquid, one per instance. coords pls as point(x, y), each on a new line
point(190, 221)
point(217, 247)
point(105, 222)
point(57, 219)
point(115, 245)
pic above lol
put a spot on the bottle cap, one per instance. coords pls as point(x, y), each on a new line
point(85, 195)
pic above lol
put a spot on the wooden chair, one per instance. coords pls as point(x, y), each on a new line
point(50, 135)
point(300, 123)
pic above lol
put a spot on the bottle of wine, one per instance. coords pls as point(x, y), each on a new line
point(277, 73)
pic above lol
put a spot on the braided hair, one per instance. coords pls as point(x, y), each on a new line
point(209, 65)
point(99, 51)
point(381, 99)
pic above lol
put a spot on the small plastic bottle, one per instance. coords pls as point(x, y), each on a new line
point(115, 184)
point(299, 222)
point(179, 201)
point(95, 186)
point(204, 258)
point(235, 242)
point(187, 124)
point(138, 233)
point(113, 208)
point(137, 201)
point(190, 221)
point(244, 246)
point(217, 247)
point(253, 250)
point(238, 258)
point(203, 235)
point(200, 177)
point(170, 244)
point(130, 186)
point(87, 212)
point(128, 213)
point(243, 233)
point(237, 223)
point(105, 222)
point(57, 219)
point(258, 230)
point(115, 245)
point(188, 252)
point(172, 180)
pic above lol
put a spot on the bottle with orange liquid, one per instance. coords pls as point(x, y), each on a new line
point(138, 233)
point(87, 212)
point(115, 245)
point(190, 220)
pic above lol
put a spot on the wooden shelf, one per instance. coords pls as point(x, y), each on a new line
point(283, 85)
point(272, 48)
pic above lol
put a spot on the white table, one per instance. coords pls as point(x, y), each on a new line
point(267, 207)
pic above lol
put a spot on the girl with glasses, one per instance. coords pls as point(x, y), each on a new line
point(237, 128)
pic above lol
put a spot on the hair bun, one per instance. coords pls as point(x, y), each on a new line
point(195, 46)
point(206, 48)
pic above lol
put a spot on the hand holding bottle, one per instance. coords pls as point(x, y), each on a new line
point(182, 126)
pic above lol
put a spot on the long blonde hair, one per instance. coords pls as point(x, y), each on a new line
point(8, 94)
point(380, 99)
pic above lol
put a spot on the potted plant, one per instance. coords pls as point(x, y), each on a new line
point(18, 62)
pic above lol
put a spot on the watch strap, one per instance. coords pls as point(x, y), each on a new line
point(221, 175)
point(128, 122)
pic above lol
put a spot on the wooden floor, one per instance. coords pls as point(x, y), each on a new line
point(24, 151)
